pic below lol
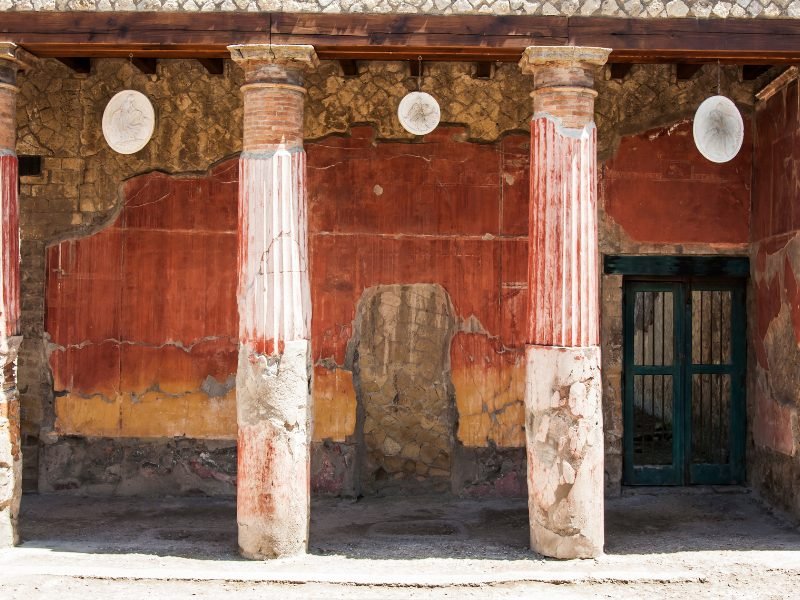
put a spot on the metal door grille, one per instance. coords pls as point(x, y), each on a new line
point(684, 349)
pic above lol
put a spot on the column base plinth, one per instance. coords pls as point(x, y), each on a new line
point(273, 482)
point(564, 430)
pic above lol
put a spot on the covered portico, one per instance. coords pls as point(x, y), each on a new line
point(563, 390)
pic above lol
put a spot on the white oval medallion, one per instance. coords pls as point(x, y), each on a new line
point(718, 129)
point(128, 121)
point(418, 113)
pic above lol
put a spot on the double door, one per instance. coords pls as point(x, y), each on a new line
point(684, 355)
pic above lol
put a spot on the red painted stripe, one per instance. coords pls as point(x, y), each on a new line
point(563, 259)
point(9, 247)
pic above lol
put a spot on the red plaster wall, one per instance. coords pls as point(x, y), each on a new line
point(443, 211)
point(775, 268)
point(130, 306)
point(148, 305)
point(659, 189)
point(146, 309)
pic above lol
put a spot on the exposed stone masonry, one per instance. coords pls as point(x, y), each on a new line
point(703, 9)
point(401, 361)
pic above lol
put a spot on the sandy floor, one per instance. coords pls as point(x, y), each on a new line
point(659, 543)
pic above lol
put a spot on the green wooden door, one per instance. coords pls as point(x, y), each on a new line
point(684, 344)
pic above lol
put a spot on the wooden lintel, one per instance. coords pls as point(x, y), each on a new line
point(620, 70)
point(349, 67)
point(752, 72)
point(483, 70)
point(685, 71)
point(474, 38)
point(79, 64)
point(213, 66)
point(145, 65)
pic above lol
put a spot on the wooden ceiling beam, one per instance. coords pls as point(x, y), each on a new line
point(213, 66)
point(483, 70)
point(474, 38)
point(349, 67)
point(685, 71)
point(620, 70)
point(148, 66)
point(79, 64)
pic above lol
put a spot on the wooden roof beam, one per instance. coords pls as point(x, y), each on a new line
point(474, 38)
point(620, 70)
point(79, 64)
point(685, 71)
point(147, 66)
point(213, 66)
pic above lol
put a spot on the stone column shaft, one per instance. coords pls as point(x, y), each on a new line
point(273, 380)
point(10, 452)
point(564, 425)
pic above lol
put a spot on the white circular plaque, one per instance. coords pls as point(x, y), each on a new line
point(128, 121)
point(718, 129)
point(418, 113)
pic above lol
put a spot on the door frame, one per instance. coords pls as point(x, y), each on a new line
point(677, 274)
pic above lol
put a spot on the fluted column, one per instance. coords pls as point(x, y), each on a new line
point(564, 426)
point(10, 452)
point(273, 380)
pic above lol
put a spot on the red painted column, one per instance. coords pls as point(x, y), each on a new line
point(564, 426)
point(10, 453)
point(273, 380)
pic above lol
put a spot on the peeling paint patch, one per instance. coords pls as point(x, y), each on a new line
point(490, 391)
point(334, 404)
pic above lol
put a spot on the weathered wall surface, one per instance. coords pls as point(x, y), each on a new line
point(142, 316)
point(658, 195)
point(143, 327)
point(399, 213)
point(406, 411)
point(617, 8)
point(774, 331)
point(383, 211)
point(79, 191)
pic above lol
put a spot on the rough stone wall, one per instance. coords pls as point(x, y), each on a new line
point(407, 416)
point(199, 123)
point(702, 9)
point(774, 330)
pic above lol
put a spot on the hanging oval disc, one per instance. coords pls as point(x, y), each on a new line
point(718, 129)
point(418, 113)
point(128, 121)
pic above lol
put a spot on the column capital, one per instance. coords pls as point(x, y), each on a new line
point(12, 59)
point(294, 56)
point(537, 56)
point(563, 82)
